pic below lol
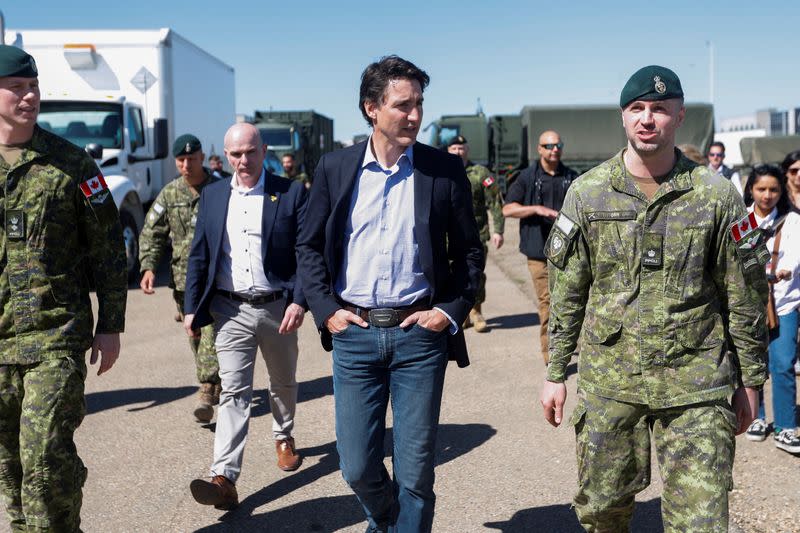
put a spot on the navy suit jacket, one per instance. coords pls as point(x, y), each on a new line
point(282, 217)
point(450, 250)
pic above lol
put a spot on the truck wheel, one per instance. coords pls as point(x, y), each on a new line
point(130, 237)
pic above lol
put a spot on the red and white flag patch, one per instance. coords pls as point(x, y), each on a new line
point(744, 227)
point(93, 186)
point(488, 182)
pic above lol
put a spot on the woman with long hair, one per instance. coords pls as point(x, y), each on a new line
point(767, 195)
point(791, 168)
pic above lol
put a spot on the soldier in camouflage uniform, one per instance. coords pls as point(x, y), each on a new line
point(290, 170)
point(170, 222)
point(654, 269)
point(60, 227)
point(486, 196)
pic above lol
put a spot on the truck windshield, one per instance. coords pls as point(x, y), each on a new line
point(446, 134)
point(82, 123)
point(276, 137)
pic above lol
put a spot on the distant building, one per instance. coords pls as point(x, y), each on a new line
point(773, 121)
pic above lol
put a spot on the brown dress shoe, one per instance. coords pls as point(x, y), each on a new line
point(288, 458)
point(204, 411)
point(219, 492)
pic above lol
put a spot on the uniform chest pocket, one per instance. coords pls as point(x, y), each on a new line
point(686, 253)
point(615, 253)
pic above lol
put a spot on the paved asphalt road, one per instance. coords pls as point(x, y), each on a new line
point(500, 467)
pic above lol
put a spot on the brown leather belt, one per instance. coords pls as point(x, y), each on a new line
point(385, 317)
point(259, 299)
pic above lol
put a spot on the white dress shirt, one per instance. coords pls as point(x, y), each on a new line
point(380, 266)
point(241, 266)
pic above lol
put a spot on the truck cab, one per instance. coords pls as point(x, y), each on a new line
point(114, 134)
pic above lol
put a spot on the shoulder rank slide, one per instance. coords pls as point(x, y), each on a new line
point(558, 243)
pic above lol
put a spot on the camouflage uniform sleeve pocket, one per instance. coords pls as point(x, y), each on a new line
point(559, 243)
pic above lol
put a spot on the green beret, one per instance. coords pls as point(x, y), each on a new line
point(16, 62)
point(458, 139)
point(186, 144)
point(651, 83)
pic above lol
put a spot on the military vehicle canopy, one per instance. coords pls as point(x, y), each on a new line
point(757, 150)
point(594, 133)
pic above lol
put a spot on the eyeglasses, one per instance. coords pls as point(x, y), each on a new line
point(550, 146)
point(716, 154)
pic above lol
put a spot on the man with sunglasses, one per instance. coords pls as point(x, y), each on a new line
point(716, 156)
point(535, 198)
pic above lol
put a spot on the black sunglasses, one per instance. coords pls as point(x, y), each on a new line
point(716, 154)
point(550, 146)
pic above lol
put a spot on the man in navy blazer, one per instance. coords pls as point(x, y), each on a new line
point(389, 257)
point(242, 277)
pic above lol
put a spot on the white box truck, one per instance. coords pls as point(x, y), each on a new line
point(125, 95)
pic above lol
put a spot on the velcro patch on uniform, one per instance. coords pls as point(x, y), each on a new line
point(158, 208)
point(610, 215)
point(744, 227)
point(94, 186)
point(558, 243)
point(488, 182)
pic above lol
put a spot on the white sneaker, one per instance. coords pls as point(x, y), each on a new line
point(757, 430)
point(788, 440)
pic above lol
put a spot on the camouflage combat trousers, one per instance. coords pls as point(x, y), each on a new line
point(41, 474)
point(205, 354)
point(695, 449)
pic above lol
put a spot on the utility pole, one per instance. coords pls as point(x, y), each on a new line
point(2, 28)
point(710, 45)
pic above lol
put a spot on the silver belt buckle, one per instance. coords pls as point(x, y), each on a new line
point(384, 318)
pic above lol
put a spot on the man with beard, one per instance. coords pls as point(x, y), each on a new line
point(658, 270)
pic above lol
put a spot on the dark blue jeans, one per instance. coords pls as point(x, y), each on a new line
point(782, 355)
point(370, 366)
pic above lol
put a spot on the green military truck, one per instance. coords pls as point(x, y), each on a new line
point(306, 134)
point(593, 133)
point(494, 142)
point(771, 150)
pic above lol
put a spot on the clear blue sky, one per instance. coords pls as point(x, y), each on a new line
point(310, 54)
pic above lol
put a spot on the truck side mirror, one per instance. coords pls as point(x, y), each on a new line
point(160, 138)
point(94, 150)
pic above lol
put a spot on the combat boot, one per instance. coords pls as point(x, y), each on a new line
point(204, 411)
point(478, 322)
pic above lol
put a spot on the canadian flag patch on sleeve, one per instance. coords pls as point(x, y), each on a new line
point(93, 186)
point(488, 182)
point(742, 228)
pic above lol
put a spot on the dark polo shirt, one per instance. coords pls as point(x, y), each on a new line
point(534, 186)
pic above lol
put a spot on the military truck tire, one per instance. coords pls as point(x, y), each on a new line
point(130, 237)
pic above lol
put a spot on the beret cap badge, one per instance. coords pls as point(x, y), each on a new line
point(660, 86)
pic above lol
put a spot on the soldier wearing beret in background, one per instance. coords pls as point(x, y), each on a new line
point(170, 222)
point(59, 227)
point(485, 196)
point(657, 269)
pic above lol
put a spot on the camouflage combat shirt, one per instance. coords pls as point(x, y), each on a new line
point(485, 195)
point(172, 218)
point(59, 227)
point(661, 305)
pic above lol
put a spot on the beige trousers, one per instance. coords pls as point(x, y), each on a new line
point(538, 270)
